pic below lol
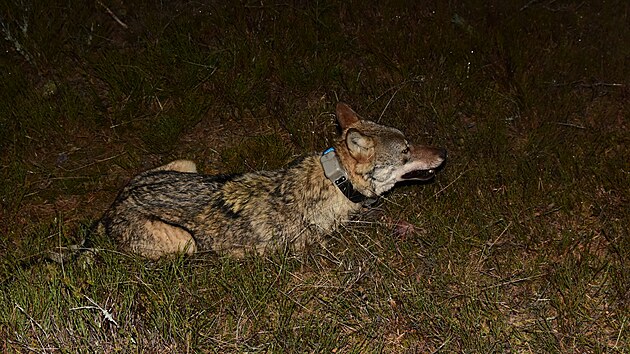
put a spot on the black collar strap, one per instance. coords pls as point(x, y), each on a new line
point(338, 176)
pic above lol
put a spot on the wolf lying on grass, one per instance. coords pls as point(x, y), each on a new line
point(174, 209)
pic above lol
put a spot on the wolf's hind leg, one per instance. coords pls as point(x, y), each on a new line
point(163, 239)
point(179, 166)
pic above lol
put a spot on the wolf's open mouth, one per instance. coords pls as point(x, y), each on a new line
point(421, 175)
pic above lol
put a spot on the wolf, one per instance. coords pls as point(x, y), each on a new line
point(174, 209)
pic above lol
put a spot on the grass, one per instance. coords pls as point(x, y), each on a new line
point(520, 245)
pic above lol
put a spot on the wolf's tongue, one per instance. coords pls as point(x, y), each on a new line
point(419, 174)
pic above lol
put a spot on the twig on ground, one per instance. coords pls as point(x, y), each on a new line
point(510, 282)
point(442, 345)
point(390, 101)
point(448, 185)
point(396, 88)
point(582, 84)
point(90, 164)
point(526, 6)
point(620, 332)
point(31, 319)
point(571, 125)
point(113, 15)
point(108, 316)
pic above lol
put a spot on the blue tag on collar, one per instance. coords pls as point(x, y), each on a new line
point(330, 149)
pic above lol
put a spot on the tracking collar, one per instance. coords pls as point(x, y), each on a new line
point(338, 176)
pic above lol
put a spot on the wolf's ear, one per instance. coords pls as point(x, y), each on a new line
point(360, 146)
point(346, 116)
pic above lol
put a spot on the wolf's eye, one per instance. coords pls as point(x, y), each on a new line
point(406, 150)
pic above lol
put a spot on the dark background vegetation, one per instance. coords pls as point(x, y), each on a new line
point(520, 245)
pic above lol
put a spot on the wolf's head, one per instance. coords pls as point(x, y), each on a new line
point(377, 157)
